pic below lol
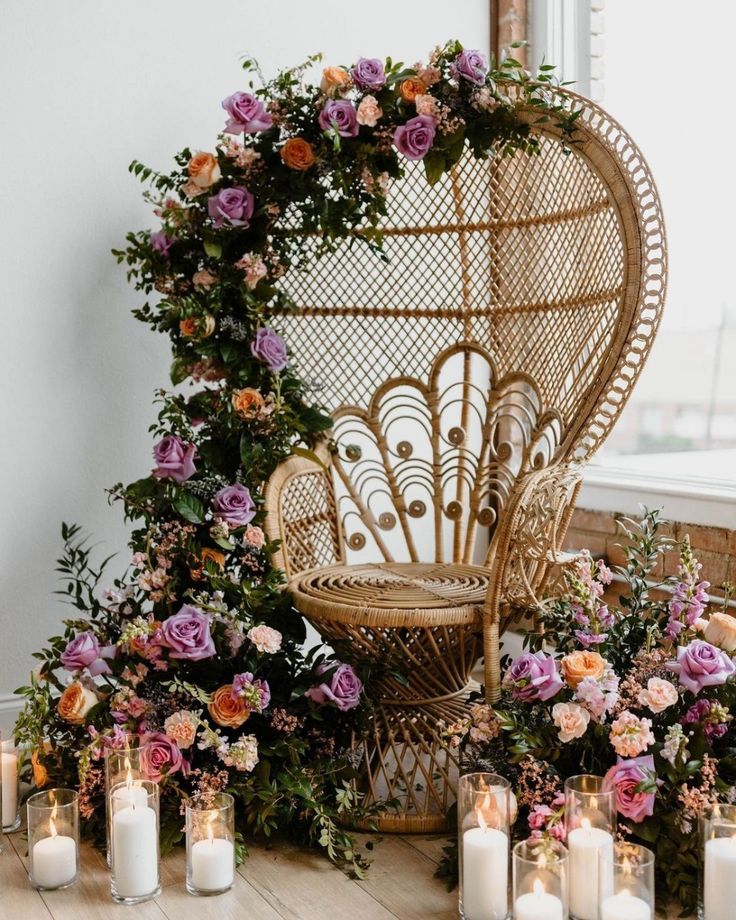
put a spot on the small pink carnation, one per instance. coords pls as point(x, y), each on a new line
point(426, 104)
point(254, 536)
point(265, 639)
point(369, 111)
point(203, 279)
point(181, 727)
point(254, 268)
point(630, 735)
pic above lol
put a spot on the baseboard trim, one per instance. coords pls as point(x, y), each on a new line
point(10, 703)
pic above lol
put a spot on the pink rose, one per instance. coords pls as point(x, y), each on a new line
point(658, 695)
point(175, 459)
point(625, 778)
point(161, 757)
point(342, 688)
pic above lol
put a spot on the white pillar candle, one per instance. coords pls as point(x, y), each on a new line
point(538, 905)
point(587, 845)
point(54, 861)
point(213, 864)
point(128, 795)
point(485, 874)
point(9, 761)
point(134, 852)
point(719, 882)
point(625, 906)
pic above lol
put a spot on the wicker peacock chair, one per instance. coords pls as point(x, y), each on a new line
point(469, 378)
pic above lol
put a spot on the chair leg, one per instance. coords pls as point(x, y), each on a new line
point(492, 658)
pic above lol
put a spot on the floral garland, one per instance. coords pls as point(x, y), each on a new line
point(643, 694)
point(196, 648)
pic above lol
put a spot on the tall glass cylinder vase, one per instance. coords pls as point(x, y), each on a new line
point(590, 820)
point(125, 768)
point(10, 795)
point(540, 890)
point(210, 827)
point(717, 889)
point(484, 818)
point(134, 841)
point(627, 883)
point(53, 838)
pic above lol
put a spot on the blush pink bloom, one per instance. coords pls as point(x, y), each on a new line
point(265, 639)
point(630, 735)
point(203, 279)
point(625, 778)
point(659, 694)
point(571, 719)
point(369, 111)
point(182, 728)
point(254, 536)
point(253, 267)
point(425, 104)
point(160, 756)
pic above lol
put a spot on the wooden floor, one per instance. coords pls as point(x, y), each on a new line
point(275, 883)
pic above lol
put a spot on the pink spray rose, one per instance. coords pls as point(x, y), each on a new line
point(625, 778)
point(342, 688)
point(161, 756)
point(175, 458)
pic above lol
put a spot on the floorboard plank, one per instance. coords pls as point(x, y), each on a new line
point(17, 898)
point(431, 847)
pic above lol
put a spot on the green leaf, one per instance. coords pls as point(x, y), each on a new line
point(189, 507)
point(434, 166)
point(179, 370)
point(213, 248)
point(308, 455)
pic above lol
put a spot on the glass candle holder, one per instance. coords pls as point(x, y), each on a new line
point(134, 841)
point(210, 827)
point(590, 820)
point(627, 883)
point(717, 888)
point(483, 819)
point(540, 890)
point(10, 794)
point(124, 770)
point(53, 838)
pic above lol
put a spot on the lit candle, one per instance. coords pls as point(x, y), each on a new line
point(134, 842)
point(625, 906)
point(213, 862)
point(54, 858)
point(586, 845)
point(9, 761)
point(719, 883)
point(538, 905)
point(485, 872)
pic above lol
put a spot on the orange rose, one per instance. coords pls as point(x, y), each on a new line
point(188, 327)
point(297, 154)
point(227, 710)
point(197, 326)
point(75, 702)
point(335, 80)
point(213, 555)
point(248, 403)
point(411, 88)
point(578, 665)
point(203, 170)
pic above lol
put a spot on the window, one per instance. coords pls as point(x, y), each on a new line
point(645, 63)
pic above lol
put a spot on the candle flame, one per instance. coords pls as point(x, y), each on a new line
point(585, 824)
point(52, 826)
point(626, 866)
point(538, 886)
point(482, 821)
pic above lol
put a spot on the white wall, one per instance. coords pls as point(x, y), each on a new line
point(86, 88)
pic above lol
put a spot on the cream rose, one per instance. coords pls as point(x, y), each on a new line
point(721, 631)
point(658, 695)
point(203, 170)
point(75, 702)
point(571, 720)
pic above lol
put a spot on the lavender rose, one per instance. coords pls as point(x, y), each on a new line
point(187, 635)
point(342, 688)
point(247, 114)
point(701, 664)
point(161, 756)
point(368, 73)
point(161, 242)
point(471, 66)
point(84, 651)
point(270, 349)
point(533, 676)
point(175, 458)
point(232, 206)
point(234, 505)
point(415, 138)
point(625, 778)
point(339, 115)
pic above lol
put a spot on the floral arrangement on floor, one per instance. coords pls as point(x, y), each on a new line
point(642, 694)
point(196, 648)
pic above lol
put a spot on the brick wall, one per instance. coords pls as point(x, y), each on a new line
point(715, 547)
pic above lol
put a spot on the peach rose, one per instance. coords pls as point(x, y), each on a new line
point(197, 327)
point(297, 154)
point(227, 710)
point(410, 88)
point(203, 170)
point(188, 327)
point(75, 702)
point(721, 631)
point(335, 81)
point(578, 665)
point(658, 695)
point(213, 555)
point(571, 720)
point(369, 111)
point(248, 403)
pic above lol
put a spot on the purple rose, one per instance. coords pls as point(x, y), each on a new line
point(175, 458)
point(232, 206)
point(471, 66)
point(701, 664)
point(270, 349)
point(84, 651)
point(342, 688)
point(339, 115)
point(368, 73)
point(533, 676)
point(625, 777)
point(247, 114)
point(161, 756)
point(187, 635)
point(234, 505)
point(161, 242)
point(256, 693)
point(415, 138)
